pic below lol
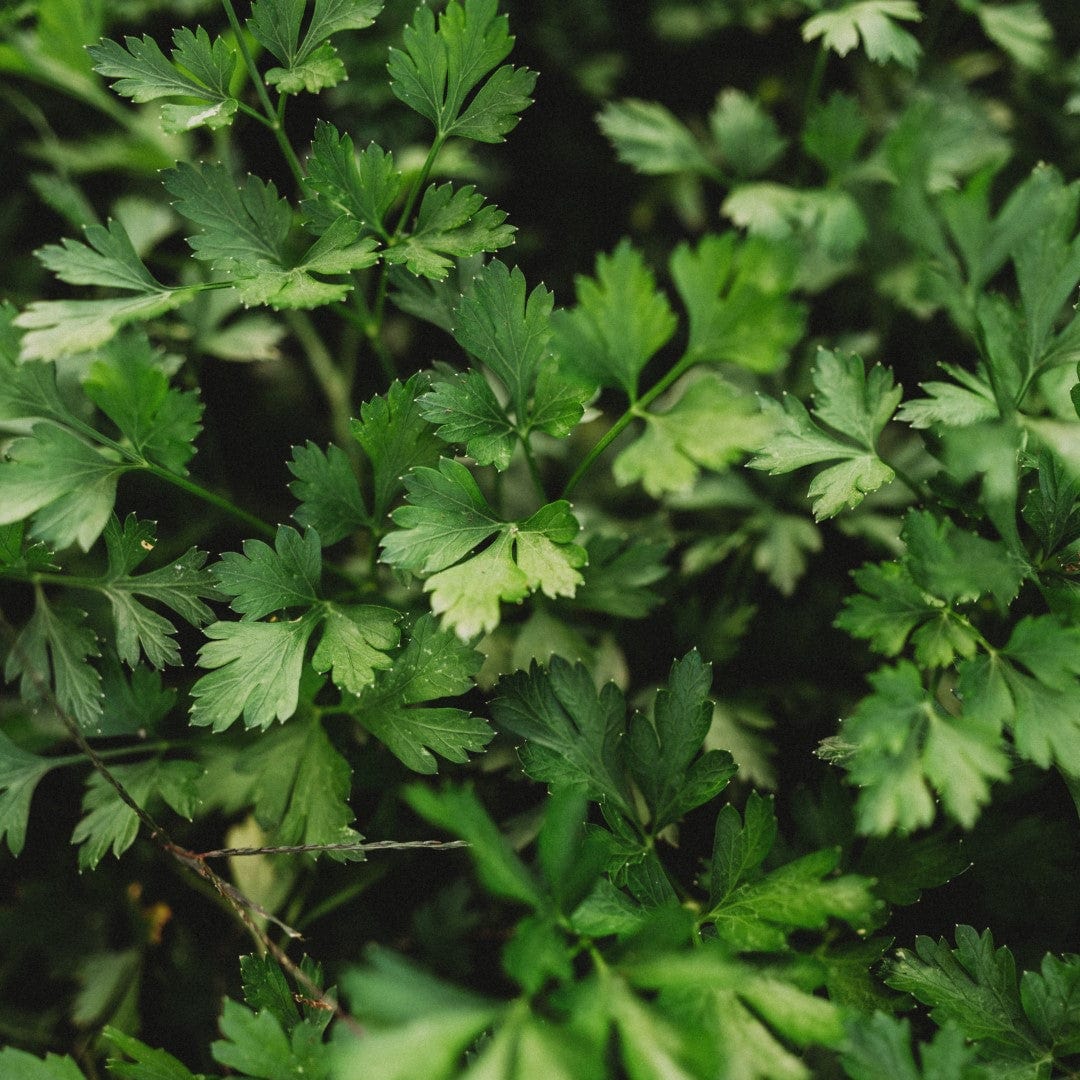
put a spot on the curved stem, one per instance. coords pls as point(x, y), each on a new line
point(336, 387)
point(274, 117)
point(219, 502)
point(635, 409)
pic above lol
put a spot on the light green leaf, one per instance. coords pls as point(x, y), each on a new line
point(328, 491)
point(651, 140)
point(21, 1065)
point(872, 21)
point(263, 579)
point(354, 643)
point(747, 136)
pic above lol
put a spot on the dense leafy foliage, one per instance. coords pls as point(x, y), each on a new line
point(594, 674)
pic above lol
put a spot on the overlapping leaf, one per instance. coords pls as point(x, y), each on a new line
point(854, 407)
point(440, 528)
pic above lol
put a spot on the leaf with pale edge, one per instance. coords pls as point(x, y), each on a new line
point(110, 823)
point(447, 517)
point(1028, 1022)
point(872, 22)
point(854, 407)
point(198, 69)
point(754, 911)
point(434, 664)
point(108, 259)
point(441, 64)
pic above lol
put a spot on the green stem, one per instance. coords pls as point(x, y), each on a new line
point(211, 498)
point(534, 470)
point(379, 306)
point(817, 76)
point(335, 386)
point(913, 486)
point(635, 409)
point(275, 118)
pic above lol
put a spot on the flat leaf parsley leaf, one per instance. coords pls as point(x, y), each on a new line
point(855, 407)
point(447, 517)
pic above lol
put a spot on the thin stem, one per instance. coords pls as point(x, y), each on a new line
point(534, 471)
point(275, 118)
point(817, 75)
point(219, 502)
point(336, 387)
point(912, 485)
point(379, 306)
point(635, 409)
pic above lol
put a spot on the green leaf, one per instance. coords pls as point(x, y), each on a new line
point(434, 664)
point(146, 1063)
point(67, 485)
point(363, 186)
point(20, 1065)
point(754, 911)
point(900, 747)
point(263, 580)
point(55, 647)
point(256, 1046)
point(710, 425)
point(244, 234)
point(466, 410)
point(737, 296)
point(1032, 687)
point(970, 402)
point(181, 586)
point(746, 135)
point(28, 389)
point(265, 988)
point(110, 823)
point(109, 260)
point(507, 332)
point(651, 140)
point(880, 1045)
point(447, 517)
point(255, 672)
point(130, 384)
point(1020, 29)
point(450, 224)
point(620, 322)
point(438, 69)
point(354, 643)
point(20, 773)
point(834, 132)
point(663, 754)
point(300, 787)
point(619, 574)
point(572, 734)
point(458, 810)
point(320, 70)
point(956, 565)
point(396, 439)
point(856, 407)
point(198, 69)
point(872, 21)
point(328, 491)
point(975, 987)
